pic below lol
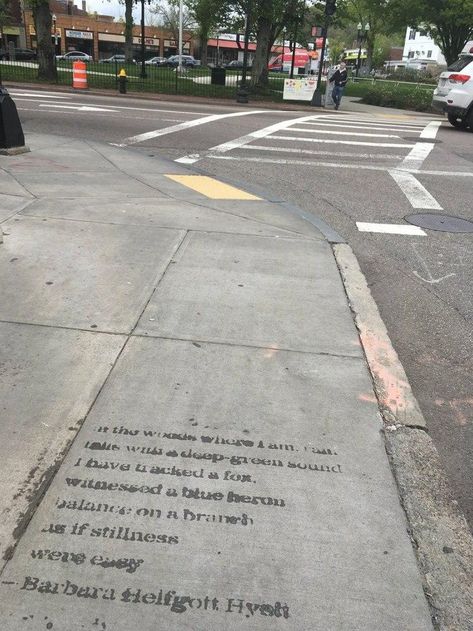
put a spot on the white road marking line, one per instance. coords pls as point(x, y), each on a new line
point(309, 163)
point(390, 228)
point(418, 195)
point(342, 154)
point(344, 142)
point(367, 126)
point(416, 157)
point(431, 129)
point(259, 133)
point(79, 108)
point(446, 173)
point(194, 123)
point(122, 107)
point(21, 96)
point(341, 133)
point(245, 140)
point(371, 121)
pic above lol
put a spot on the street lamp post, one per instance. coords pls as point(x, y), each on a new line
point(181, 20)
point(362, 35)
point(54, 18)
point(143, 67)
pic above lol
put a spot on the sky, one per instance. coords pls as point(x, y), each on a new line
point(112, 7)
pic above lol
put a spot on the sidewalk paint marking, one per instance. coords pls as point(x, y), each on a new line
point(357, 143)
point(341, 154)
point(390, 228)
point(194, 123)
point(79, 108)
point(415, 158)
point(212, 188)
point(341, 133)
point(418, 195)
point(430, 131)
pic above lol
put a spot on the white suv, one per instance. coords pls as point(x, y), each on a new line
point(454, 93)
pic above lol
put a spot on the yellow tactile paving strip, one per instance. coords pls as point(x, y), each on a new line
point(213, 189)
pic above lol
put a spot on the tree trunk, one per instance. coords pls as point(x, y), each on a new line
point(203, 39)
point(129, 31)
point(259, 73)
point(370, 40)
point(46, 57)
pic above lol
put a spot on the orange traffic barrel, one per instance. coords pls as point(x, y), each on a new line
point(79, 75)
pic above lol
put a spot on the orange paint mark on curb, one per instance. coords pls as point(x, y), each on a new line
point(393, 390)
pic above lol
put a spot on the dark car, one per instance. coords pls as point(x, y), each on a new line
point(236, 65)
point(187, 60)
point(20, 54)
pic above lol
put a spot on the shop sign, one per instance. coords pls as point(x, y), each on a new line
point(80, 34)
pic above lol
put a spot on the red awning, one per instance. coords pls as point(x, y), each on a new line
point(227, 43)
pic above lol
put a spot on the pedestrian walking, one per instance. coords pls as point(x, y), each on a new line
point(339, 78)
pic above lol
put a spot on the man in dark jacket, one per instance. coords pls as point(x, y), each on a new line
point(339, 78)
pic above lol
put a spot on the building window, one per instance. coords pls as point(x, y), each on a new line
point(411, 54)
point(412, 34)
point(429, 54)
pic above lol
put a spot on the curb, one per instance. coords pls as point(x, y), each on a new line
point(181, 98)
point(438, 530)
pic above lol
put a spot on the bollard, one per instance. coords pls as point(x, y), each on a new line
point(12, 139)
point(122, 81)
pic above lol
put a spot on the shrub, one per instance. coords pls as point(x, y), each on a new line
point(400, 97)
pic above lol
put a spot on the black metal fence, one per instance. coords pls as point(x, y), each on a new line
point(197, 81)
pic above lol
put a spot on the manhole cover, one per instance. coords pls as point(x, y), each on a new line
point(442, 223)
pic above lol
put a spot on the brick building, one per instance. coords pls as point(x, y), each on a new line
point(98, 35)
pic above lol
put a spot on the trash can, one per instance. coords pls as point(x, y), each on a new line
point(218, 76)
point(11, 132)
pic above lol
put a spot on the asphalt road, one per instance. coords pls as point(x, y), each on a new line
point(344, 167)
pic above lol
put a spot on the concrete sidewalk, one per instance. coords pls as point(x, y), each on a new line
point(190, 436)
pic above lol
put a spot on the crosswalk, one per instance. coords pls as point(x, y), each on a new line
point(398, 147)
point(332, 140)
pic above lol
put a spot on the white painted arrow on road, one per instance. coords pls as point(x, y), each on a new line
point(80, 108)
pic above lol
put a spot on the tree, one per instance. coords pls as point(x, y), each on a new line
point(5, 16)
point(168, 16)
point(207, 15)
point(372, 12)
point(270, 18)
point(448, 22)
point(43, 25)
point(128, 31)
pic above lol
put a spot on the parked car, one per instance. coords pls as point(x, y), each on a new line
point(454, 92)
point(236, 65)
point(187, 60)
point(75, 55)
point(115, 59)
point(156, 61)
point(20, 54)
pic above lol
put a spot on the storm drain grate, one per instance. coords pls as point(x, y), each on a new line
point(442, 223)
